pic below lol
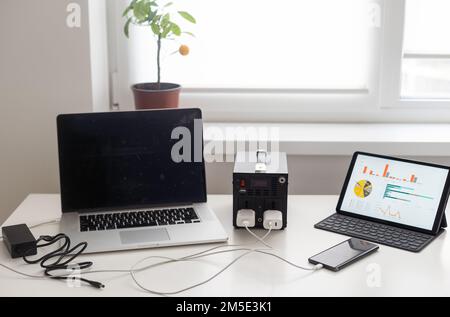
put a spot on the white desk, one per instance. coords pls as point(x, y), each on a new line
point(401, 273)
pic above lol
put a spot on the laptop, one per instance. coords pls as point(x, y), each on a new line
point(132, 180)
point(392, 201)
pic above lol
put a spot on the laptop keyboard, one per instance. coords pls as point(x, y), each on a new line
point(376, 232)
point(126, 220)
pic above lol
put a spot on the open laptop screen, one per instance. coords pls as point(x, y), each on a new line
point(125, 159)
point(392, 190)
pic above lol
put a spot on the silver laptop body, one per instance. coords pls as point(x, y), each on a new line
point(208, 230)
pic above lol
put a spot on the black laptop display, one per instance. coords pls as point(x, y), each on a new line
point(112, 161)
point(401, 196)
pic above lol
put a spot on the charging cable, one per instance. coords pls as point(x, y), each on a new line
point(246, 224)
point(59, 259)
point(60, 254)
point(245, 220)
point(135, 269)
point(209, 252)
point(39, 224)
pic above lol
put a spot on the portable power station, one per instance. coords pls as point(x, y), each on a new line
point(260, 183)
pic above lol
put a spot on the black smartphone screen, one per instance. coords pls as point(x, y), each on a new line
point(343, 254)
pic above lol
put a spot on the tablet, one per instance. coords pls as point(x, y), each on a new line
point(404, 193)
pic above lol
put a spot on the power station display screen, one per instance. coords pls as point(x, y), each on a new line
point(259, 182)
point(395, 191)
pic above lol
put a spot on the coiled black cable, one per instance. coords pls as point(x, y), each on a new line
point(61, 258)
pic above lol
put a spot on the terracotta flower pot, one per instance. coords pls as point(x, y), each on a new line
point(148, 96)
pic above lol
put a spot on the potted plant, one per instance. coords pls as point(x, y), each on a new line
point(159, 19)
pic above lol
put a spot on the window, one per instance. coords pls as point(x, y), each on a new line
point(265, 44)
point(426, 50)
point(299, 60)
point(415, 72)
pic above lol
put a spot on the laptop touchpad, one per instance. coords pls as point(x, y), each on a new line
point(144, 236)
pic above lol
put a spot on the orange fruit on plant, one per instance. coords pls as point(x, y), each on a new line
point(184, 50)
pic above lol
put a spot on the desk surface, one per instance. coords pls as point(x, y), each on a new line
point(389, 272)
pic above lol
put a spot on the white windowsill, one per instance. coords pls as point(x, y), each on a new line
point(344, 139)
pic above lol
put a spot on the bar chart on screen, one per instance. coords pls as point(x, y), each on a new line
point(402, 193)
point(412, 178)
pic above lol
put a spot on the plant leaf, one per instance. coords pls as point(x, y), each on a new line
point(187, 16)
point(126, 29)
point(166, 31)
point(168, 4)
point(156, 29)
point(165, 20)
point(176, 29)
point(141, 10)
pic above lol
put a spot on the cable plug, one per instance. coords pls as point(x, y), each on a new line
point(318, 267)
point(273, 219)
point(245, 218)
point(95, 284)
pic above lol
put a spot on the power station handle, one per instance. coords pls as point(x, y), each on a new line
point(259, 154)
point(261, 161)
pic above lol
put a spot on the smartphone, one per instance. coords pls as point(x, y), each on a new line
point(343, 254)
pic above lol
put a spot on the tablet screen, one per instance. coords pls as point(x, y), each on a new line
point(395, 191)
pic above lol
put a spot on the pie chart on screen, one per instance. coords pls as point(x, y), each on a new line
point(363, 188)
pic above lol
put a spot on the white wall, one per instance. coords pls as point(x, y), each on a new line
point(44, 71)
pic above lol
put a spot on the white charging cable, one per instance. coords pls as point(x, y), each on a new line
point(134, 270)
point(246, 225)
point(245, 219)
point(209, 252)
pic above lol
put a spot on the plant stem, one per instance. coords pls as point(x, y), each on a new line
point(159, 62)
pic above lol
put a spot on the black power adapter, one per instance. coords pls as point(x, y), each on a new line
point(19, 241)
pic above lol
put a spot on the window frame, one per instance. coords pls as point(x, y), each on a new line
point(379, 102)
point(393, 56)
